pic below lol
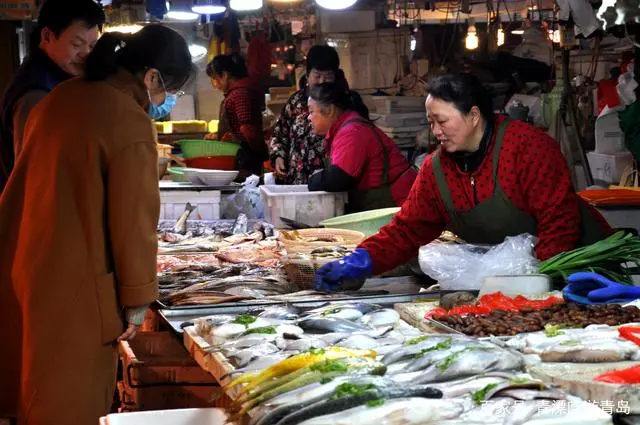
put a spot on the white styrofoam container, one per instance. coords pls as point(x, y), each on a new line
point(608, 168)
point(608, 134)
point(173, 203)
point(295, 202)
point(205, 416)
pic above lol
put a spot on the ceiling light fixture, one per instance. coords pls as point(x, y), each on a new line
point(336, 4)
point(208, 7)
point(245, 5)
point(181, 15)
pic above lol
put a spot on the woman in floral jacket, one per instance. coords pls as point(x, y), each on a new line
point(296, 151)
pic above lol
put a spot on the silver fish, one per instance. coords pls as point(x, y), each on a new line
point(241, 224)
point(359, 342)
point(395, 412)
point(243, 358)
point(521, 413)
point(330, 324)
point(181, 225)
point(385, 317)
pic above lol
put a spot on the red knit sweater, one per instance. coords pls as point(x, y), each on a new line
point(533, 174)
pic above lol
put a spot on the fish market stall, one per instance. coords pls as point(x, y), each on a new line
point(360, 363)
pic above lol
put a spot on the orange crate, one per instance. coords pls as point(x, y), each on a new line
point(158, 373)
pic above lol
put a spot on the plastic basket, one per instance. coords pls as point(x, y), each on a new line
point(334, 237)
point(199, 148)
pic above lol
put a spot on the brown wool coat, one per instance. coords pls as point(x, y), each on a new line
point(77, 245)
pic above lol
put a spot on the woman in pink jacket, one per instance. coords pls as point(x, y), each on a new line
point(361, 159)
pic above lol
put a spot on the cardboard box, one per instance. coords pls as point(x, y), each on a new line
point(607, 169)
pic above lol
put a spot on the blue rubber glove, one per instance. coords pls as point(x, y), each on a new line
point(357, 265)
point(593, 288)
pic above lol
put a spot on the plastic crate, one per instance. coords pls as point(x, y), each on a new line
point(173, 202)
point(200, 148)
point(158, 373)
point(295, 202)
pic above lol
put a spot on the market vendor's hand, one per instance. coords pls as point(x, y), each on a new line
point(130, 333)
point(355, 266)
point(211, 136)
point(281, 168)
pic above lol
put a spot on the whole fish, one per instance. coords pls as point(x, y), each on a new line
point(298, 362)
point(466, 362)
point(414, 346)
point(330, 324)
point(340, 367)
point(360, 342)
point(241, 225)
point(285, 312)
point(242, 357)
point(384, 317)
point(382, 391)
point(272, 411)
point(363, 308)
point(395, 412)
point(181, 225)
point(257, 363)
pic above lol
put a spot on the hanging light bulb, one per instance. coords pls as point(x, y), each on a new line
point(245, 5)
point(554, 36)
point(471, 41)
point(336, 4)
point(500, 38)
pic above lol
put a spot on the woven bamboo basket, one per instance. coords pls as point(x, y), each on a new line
point(307, 240)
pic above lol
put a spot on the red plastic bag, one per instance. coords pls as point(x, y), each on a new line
point(624, 376)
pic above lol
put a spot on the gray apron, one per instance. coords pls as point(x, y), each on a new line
point(377, 197)
point(492, 220)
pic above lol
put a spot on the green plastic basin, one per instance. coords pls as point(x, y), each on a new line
point(367, 222)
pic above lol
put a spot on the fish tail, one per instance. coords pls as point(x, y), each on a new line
point(189, 207)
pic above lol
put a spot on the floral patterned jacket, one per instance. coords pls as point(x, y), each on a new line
point(293, 139)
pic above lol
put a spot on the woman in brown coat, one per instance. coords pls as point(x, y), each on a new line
point(78, 224)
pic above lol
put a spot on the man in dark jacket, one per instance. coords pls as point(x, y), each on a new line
point(67, 31)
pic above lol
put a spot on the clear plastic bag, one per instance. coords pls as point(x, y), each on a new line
point(464, 266)
point(247, 200)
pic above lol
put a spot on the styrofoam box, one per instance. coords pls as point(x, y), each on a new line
point(206, 416)
point(172, 204)
point(608, 168)
point(295, 202)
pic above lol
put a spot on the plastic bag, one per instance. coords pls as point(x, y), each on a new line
point(464, 266)
point(247, 200)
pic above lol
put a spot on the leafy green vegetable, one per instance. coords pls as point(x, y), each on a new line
point(479, 396)
point(314, 350)
point(602, 257)
point(325, 380)
point(552, 330)
point(520, 380)
point(330, 366)
point(444, 345)
point(348, 389)
point(375, 403)
point(417, 340)
point(570, 343)
point(244, 319)
point(264, 330)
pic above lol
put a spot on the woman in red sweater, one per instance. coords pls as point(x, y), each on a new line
point(362, 159)
point(492, 177)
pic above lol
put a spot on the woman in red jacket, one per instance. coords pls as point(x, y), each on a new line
point(362, 160)
point(492, 177)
